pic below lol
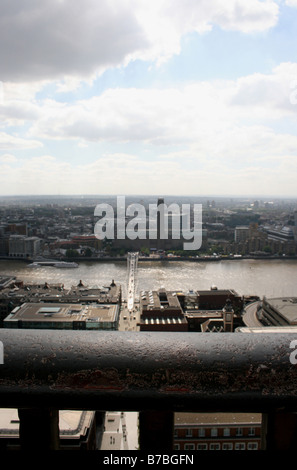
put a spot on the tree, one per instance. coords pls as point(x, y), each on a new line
point(70, 253)
point(88, 252)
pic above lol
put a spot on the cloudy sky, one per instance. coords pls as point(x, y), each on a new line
point(171, 97)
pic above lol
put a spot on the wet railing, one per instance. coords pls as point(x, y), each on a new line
point(156, 374)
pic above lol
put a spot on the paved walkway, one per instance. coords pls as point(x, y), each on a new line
point(249, 317)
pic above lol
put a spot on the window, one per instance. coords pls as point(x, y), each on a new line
point(252, 432)
point(227, 446)
point(214, 432)
point(239, 446)
point(214, 447)
point(252, 446)
point(176, 446)
point(201, 446)
point(189, 446)
point(189, 433)
point(201, 432)
point(239, 432)
point(226, 432)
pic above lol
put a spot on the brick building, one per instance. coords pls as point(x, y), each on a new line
point(162, 311)
point(217, 431)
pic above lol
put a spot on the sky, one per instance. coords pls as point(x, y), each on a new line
point(159, 97)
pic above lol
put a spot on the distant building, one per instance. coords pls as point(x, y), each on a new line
point(111, 294)
point(213, 325)
point(214, 310)
point(241, 233)
point(161, 311)
point(280, 311)
point(64, 316)
point(216, 299)
point(222, 324)
point(14, 293)
point(6, 282)
point(21, 246)
point(4, 245)
point(16, 228)
point(295, 226)
point(217, 431)
point(285, 234)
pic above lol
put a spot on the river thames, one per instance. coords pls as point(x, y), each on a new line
point(271, 278)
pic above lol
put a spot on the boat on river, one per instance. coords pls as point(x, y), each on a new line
point(54, 263)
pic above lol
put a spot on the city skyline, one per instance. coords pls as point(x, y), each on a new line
point(150, 98)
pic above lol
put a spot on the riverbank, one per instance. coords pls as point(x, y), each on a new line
point(269, 277)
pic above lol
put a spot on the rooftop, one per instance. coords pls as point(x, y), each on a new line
point(48, 312)
point(71, 422)
point(57, 292)
point(220, 419)
point(286, 307)
point(215, 291)
point(159, 299)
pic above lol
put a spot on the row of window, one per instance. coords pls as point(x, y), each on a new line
point(218, 446)
point(214, 432)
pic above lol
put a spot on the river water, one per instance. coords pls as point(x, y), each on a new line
point(272, 278)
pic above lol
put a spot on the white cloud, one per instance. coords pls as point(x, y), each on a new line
point(269, 95)
point(8, 141)
point(199, 137)
point(71, 39)
point(129, 174)
point(219, 130)
point(21, 91)
point(164, 23)
point(291, 3)
point(52, 39)
point(248, 16)
point(7, 158)
point(140, 115)
point(18, 112)
point(210, 115)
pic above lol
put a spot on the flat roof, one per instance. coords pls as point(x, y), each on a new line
point(111, 292)
point(55, 292)
point(160, 299)
point(72, 423)
point(5, 281)
point(219, 419)
point(203, 313)
point(286, 307)
point(62, 312)
point(267, 329)
point(215, 292)
point(163, 321)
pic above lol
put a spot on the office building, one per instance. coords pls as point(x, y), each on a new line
point(45, 315)
point(217, 431)
point(214, 310)
point(281, 311)
point(241, 233)
point(14, 293)
point(162, 311)
point(21, 246)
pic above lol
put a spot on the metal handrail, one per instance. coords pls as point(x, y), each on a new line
point(131, 371)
